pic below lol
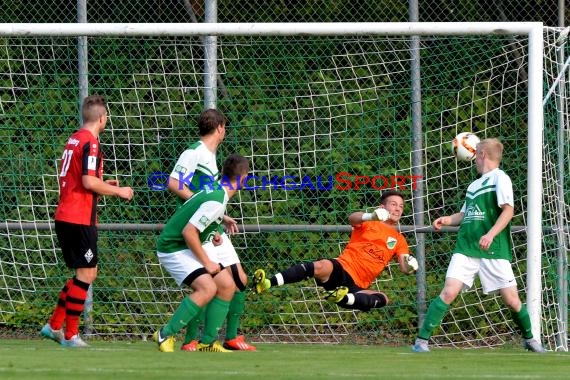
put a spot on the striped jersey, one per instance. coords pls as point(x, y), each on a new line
point(81, 156)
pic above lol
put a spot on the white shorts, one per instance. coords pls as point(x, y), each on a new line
point(494, 274)
point(226, 253)
point(182, 263)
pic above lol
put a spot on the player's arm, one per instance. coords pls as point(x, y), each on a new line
point(230, 225)
point(97, 185)
point(502, 222)
point(357, 218)
point(183, 172)
point(449, 220)
point(181, 191)
point(192, 238)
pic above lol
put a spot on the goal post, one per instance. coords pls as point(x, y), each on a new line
point(151, 97)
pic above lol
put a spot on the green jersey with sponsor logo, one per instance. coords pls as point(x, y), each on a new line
point(204, 210)
point(481, 210)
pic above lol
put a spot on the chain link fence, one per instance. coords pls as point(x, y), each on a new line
point(348, 97)
point(551, 13)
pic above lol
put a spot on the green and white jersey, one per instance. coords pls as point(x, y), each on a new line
point(204, 210)
point(196, 167)
point(481, 210)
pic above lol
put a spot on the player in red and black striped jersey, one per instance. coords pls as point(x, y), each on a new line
point(80, 183)
point(81, 157)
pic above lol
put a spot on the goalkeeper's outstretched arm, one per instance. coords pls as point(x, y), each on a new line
point(356, 218)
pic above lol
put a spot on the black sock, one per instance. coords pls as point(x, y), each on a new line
point(295, 273)
point(365, 301)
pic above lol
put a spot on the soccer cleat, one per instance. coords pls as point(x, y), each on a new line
point(238, 344)
point(260, 282)
point(421, 345)
point(55, 335)
point(190, 346)
point(336, 295)
point(534, 346)
point(215, 346)
point(165, 344)
point(75, 342)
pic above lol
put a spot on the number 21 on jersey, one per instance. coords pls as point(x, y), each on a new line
point(66, 161)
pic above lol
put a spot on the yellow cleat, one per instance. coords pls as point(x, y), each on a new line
point(165, 344)
point(215, 346)
point(260, 282)
point(336, 295)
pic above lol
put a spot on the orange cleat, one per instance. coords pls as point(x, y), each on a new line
point(238, 344)
point(192, 346)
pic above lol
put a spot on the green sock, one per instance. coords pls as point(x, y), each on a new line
point(192, 327)
point(523, 321)
point(237, 306)
point(186, 311)
point(216, 312)
point(434, 316)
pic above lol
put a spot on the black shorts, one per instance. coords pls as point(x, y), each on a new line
point(78, 244)
point(339, 277)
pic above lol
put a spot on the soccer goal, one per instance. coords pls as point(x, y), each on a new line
point(316, 107)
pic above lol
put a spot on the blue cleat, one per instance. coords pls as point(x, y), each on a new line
point(49, 333)
point(421, 345)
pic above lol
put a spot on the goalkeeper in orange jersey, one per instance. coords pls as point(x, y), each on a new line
point(373, 243)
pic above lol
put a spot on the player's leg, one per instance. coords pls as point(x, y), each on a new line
point(226, 254)
point(497, 274)
point(320, 270)
point(54, 328)
point(216, 313)
point(460, 274)
point(191, 336)
point(66, 236)
point(75, 304)
point(234, 341)
point(80, 254)
point(185, 269)
point(362, 299)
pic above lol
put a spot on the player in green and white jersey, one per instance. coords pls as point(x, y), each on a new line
point(180, 250)
point(196, 169)
point(483, 247)
point(197, 165)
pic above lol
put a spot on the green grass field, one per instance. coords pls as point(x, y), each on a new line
point(42, 359)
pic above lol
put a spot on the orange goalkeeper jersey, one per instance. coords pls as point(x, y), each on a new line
point(370, 248)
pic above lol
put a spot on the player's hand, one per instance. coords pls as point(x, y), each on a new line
point(440, 222)
point(412, 263)
point(381, 214)
point(125, 193)
point(485, 241)
point(217, 239)
point(212, 268)
point(230, 225)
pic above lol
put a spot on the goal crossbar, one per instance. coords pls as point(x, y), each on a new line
point(273, 29)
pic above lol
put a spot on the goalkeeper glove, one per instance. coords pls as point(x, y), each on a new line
point(412, 263)
point(379, 214)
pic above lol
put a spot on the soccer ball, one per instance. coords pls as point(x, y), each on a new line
point(463, 146)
